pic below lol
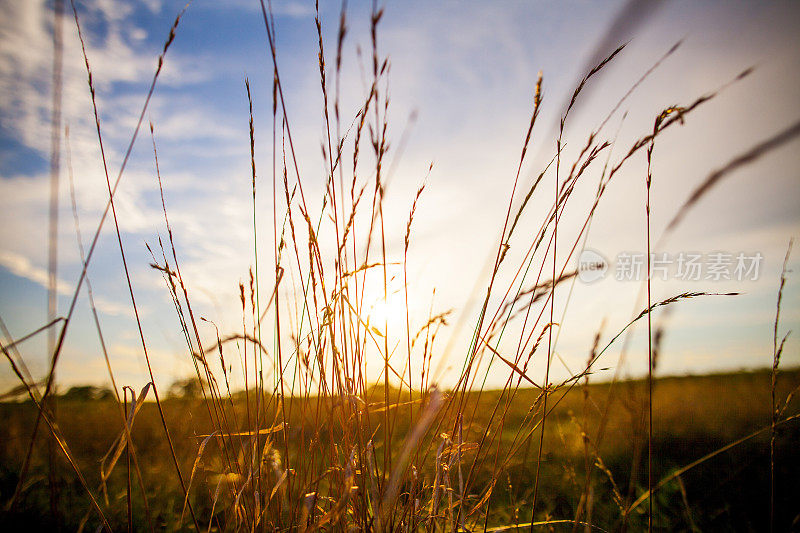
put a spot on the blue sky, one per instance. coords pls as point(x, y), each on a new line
point(467, 69)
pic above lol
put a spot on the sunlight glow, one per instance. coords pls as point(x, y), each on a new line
point(387, 311)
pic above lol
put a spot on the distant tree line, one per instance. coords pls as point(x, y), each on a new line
point(182, 388)
point(86, 393)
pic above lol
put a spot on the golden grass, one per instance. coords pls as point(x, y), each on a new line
point(310, 443)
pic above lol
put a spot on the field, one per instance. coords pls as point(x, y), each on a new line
point(328, 400)
point(695, 416)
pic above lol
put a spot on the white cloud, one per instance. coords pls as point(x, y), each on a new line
point(288, 8)
point(21, 266)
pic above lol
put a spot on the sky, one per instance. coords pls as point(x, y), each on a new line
point(461, 84)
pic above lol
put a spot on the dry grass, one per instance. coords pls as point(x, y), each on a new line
point(309, 443)
point(724, 491)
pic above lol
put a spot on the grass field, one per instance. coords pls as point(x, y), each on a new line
point(695, 416)
point(315, 414)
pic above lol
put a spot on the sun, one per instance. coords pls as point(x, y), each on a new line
point(387, 311)
point(390, 310)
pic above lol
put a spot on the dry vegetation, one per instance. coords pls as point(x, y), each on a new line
point(310, 444)
point(694, 417)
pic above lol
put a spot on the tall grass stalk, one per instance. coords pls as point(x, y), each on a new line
point(777, 349)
